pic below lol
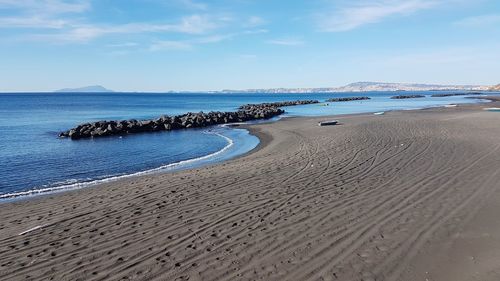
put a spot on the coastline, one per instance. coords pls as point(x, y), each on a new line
point(371, 198)
point(113, 158)
point(187, 164)
point(197, 162)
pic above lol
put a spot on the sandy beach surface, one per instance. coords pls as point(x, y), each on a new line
point(412, 195)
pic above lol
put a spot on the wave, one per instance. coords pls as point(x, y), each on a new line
point(74, 184)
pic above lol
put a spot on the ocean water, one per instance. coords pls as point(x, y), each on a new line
point(34, 160)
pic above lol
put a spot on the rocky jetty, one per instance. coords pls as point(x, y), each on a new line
point(168, 123)
point(455, 94)
point(276, 104)
point(401, 97)
point(347, 99)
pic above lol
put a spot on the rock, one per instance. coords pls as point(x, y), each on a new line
point(347, 99)
point(455, 94)
point(276, 104)
point(74, 134)
point(407, 97)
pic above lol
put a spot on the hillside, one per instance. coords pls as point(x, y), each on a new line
point(495, 88)
point(368, 87)
point(378, 86)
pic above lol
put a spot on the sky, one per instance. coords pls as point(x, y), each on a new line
point(201, 45)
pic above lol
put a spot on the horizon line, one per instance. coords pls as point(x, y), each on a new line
point(246, 89)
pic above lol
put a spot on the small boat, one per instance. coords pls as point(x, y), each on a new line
point(328, 123)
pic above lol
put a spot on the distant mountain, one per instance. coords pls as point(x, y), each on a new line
point(88, 89)
point(495, 88)
point(368, 87)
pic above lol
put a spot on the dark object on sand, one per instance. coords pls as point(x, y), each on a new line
point(328, 123)
point(347, 99)
point(401, 97)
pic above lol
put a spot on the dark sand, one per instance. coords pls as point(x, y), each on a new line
point(404, 196)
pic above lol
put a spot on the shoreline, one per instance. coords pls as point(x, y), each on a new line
point(168, 168)
point(371, 198)
point(251, 128)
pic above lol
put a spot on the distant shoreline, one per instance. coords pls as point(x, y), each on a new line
point(358, 87)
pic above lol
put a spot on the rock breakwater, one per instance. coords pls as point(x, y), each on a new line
point(407, 97)
point(276, 104)
point(186, 121)
point(455, 94)
point(347, 99)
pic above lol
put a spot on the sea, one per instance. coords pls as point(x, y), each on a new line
point(34, 161)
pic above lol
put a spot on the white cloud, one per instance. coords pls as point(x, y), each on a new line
point(49, 14)
point(170, 45)
point(195, 24)
point(66, 21)
point(188, 44)
point(366, 12)
point(254, 21)
point(32, 22)
point(123, 45)
point(256, 31)
point(60, 15)
point(479, 21)
point(286, 42)
point(45, 7)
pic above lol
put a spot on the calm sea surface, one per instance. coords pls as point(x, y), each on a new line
point(33, 158)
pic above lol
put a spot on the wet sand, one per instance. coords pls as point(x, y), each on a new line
point(411, 195)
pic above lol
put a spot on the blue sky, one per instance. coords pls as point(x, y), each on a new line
point(161, 45)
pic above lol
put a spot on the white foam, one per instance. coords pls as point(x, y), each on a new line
point(230, 125)
point(163, 168)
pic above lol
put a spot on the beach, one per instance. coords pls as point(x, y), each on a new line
point(407, 195)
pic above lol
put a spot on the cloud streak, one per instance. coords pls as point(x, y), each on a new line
point(49, 14)
point(479, 21)
point(170, 45)
point(35, 22)
point(195, 24)
point(286, 42)
point(65, 22)
point(254, 21)
point(366, 12)
point(47, 7)
point(58, 18)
